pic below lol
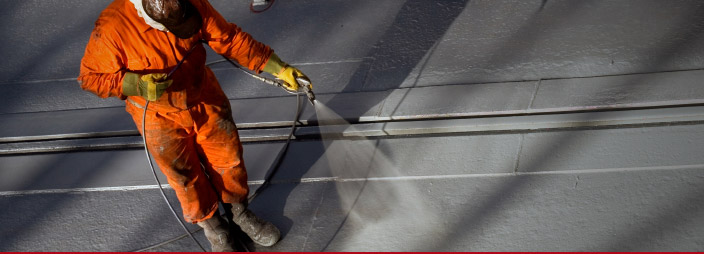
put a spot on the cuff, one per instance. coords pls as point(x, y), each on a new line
point(274, 65)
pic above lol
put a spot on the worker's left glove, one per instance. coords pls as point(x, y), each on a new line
point(285, 72)
point(150, 86)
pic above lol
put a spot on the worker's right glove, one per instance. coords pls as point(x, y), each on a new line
point(150, 86)
point(285, 72)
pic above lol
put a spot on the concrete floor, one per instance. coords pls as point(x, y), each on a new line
point(467, 126)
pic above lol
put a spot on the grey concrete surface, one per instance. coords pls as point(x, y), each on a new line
point(507, 125)
point(43, 125)
point(88, 221)
point(453, 214)
point(75, 170)
point(638, 89)
point(453, 101)
point(658, 146)
point(479, 214)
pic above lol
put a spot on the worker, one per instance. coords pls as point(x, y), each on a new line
point(189, 126)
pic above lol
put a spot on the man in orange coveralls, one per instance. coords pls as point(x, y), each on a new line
point(189, 125)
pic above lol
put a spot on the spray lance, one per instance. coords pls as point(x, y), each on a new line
point(307, 88)
point(304, 84)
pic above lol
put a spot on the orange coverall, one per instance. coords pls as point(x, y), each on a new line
point(191, 123)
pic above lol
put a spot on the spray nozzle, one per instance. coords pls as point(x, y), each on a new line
point(307, 88)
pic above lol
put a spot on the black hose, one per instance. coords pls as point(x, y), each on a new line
point(280, 157)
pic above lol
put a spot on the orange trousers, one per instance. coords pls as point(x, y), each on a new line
point(187, 144)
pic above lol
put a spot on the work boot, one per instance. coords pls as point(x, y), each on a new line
point(217, 232)
point(261, 232)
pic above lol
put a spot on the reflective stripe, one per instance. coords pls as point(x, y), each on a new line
point(134, 103)
point(151, 91)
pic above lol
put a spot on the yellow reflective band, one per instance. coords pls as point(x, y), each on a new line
point(151, 91)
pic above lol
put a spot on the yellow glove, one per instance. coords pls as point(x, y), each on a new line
point(150, 86)
point(285, 72)
point(289, 76)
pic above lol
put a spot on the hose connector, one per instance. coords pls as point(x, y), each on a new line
point(307, 88)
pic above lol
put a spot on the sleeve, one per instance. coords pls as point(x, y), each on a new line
point(102, 69)
point(229, 40)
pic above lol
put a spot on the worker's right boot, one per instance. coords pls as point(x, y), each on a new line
point(260, 231)
point(218, 234)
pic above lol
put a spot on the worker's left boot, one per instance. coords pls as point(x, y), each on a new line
point(260, 231)
point(218, 234)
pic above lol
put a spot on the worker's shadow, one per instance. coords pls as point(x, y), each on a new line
point(270, 201)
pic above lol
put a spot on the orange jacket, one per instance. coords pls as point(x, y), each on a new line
point(122, 42)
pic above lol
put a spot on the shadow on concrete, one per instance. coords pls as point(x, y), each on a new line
point(417, 28)
point(22, 219)
point(23, 226)
point(648, 235)
point(273, 199)
point(77, 170)
point(41, 46)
